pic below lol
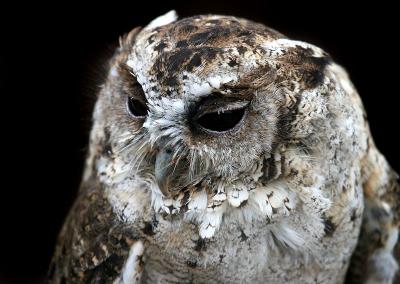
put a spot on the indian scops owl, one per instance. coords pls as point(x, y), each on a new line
point(223, 152)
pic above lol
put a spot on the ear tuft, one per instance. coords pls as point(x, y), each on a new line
point(126, 41)
point(163, 20)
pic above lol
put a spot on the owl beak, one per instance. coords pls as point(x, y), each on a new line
point(164, 169)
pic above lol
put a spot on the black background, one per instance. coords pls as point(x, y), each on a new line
point(52, 61)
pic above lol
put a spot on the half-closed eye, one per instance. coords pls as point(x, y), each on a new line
point(136, 107)
point(220, 114)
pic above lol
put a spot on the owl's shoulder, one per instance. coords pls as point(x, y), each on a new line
point(93, 243)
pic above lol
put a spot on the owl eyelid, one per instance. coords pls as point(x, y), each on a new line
point(220, 115)
point(221, 106)
point(221, 123)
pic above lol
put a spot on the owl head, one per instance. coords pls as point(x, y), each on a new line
point(205, 102)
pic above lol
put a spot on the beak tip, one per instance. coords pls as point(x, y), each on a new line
point(163, 170)
point(163, 190)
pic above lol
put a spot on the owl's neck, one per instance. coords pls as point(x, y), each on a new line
point(264, 195)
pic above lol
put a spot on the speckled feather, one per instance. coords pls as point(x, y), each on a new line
point(296, 192)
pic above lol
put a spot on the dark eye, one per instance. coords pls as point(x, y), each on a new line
point(221, 121)
point(136, 107)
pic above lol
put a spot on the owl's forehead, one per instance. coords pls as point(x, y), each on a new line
point(195, 56)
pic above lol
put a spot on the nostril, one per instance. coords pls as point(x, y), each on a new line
point(168, 151)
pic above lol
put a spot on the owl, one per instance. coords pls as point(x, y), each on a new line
point(222, 151)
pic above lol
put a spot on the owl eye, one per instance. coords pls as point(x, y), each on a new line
point(136, 108)
point(220, 114)
point(221, 121)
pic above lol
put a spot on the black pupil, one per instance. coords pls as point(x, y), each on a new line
point(136, 107)
point(221, 121)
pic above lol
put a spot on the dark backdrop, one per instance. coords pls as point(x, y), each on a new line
point(52, 61)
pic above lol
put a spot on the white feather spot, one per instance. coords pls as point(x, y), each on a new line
point(236, 195)
point(200, 89)
point(198, 200)
point(261, 199)
point(277, 197)
point(220, 196)
point(217, 81)
point(210, 224)
point(280, 45)
point(131, 272)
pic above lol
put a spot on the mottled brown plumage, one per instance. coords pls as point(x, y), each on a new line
point(221, 151)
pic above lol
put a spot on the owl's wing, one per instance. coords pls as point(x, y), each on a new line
point(94, 245)
point(374, 260)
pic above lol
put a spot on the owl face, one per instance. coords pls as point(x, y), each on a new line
point(203, 98)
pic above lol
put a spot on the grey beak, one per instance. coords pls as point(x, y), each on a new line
point(164, 168)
